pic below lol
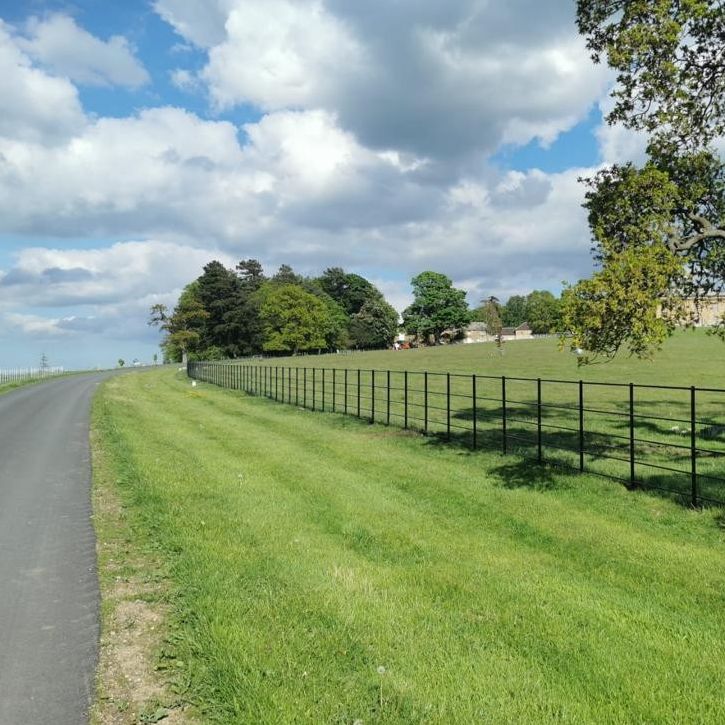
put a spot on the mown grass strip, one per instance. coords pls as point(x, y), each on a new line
point(307, 551)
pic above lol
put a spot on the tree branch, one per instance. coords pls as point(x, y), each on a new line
point(707, 231)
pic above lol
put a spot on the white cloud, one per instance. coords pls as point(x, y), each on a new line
point(435, 78)
point(35, 106)
point(618, 144)
point(68, 50)
point(279, 54)
point(185, 80)
point(199, 21)
point(32, 325)
point(371, 155)
point(46, 277)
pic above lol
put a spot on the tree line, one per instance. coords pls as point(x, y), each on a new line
point(229, 313)
point(241, 312)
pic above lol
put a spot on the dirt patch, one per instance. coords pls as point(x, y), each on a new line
point(134, 683)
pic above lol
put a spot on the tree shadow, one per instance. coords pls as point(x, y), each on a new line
point(662, 468)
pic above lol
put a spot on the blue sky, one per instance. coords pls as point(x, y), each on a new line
point(140, 139)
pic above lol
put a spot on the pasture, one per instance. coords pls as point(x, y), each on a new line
point(647, 435)
point(690, 357)
point(326, 570)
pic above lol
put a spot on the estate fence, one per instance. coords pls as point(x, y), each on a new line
point(665, 438)
point(11, 375)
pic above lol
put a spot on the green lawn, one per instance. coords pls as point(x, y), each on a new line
point(306, 551)
point(690, 357)
point(661, 417)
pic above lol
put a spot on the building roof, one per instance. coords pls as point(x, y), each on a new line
point(477, 327)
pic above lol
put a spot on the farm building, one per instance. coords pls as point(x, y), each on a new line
point(522, 332)
point(478, 332)
point(711, 311)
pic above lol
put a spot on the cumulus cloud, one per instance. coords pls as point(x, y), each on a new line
point(434, 78)
point(36, 107)
point(60, 45)
point(58, 278)
point(371, 153)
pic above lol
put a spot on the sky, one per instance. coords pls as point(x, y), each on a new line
point(141, 139)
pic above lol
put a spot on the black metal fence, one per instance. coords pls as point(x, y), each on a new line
point(665, 438)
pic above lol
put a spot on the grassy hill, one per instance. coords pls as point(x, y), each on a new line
point(662, 418)
point(690, 357)
point(324, 570)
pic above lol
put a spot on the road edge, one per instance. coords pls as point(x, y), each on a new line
point(133, 680)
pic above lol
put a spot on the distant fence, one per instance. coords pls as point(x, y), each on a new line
point(11, 375)
point(665, 438)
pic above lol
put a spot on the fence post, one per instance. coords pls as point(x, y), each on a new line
point(358, 392)
point(345, 391)
point(334, 388)
point(304, 389)
point(693, 446)
point(503, 413)
point(297, 386)
point(448, 406)
point(276, 382)
point(581, 425)
point(425, 403)
point(387, 416)
point(323, 390)
point(631, 434)
point(538, 420)
point(372, 396)
point(475, 426)
point(405, 399)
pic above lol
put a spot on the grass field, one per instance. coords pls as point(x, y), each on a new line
point(662, 417)
point(307, 552)
point(690, 357)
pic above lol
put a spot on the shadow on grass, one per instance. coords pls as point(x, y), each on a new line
point(605, 455)
point(522, 474)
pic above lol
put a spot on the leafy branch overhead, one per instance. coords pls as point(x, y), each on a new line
point(658, 230)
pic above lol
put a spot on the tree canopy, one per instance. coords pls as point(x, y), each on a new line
point(241, 312)
point(437, 306)
point(658, 229)
point(293, 320)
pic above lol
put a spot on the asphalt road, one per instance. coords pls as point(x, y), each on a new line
point(49, 597)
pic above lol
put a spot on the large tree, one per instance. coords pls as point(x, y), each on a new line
point(294, 320)
point(543, 312)
point(658, 229)
point(490, 312)
point(242, 317)
point(218, 290)
point(437, 306)
point(375, 325)
point(183, 327)
point(349, 290)
point(513, 313)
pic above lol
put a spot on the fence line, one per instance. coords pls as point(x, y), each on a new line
point(621, 431)
point(11, 375)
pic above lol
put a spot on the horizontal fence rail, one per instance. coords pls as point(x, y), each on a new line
point(12, 375)
point(665, 438)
